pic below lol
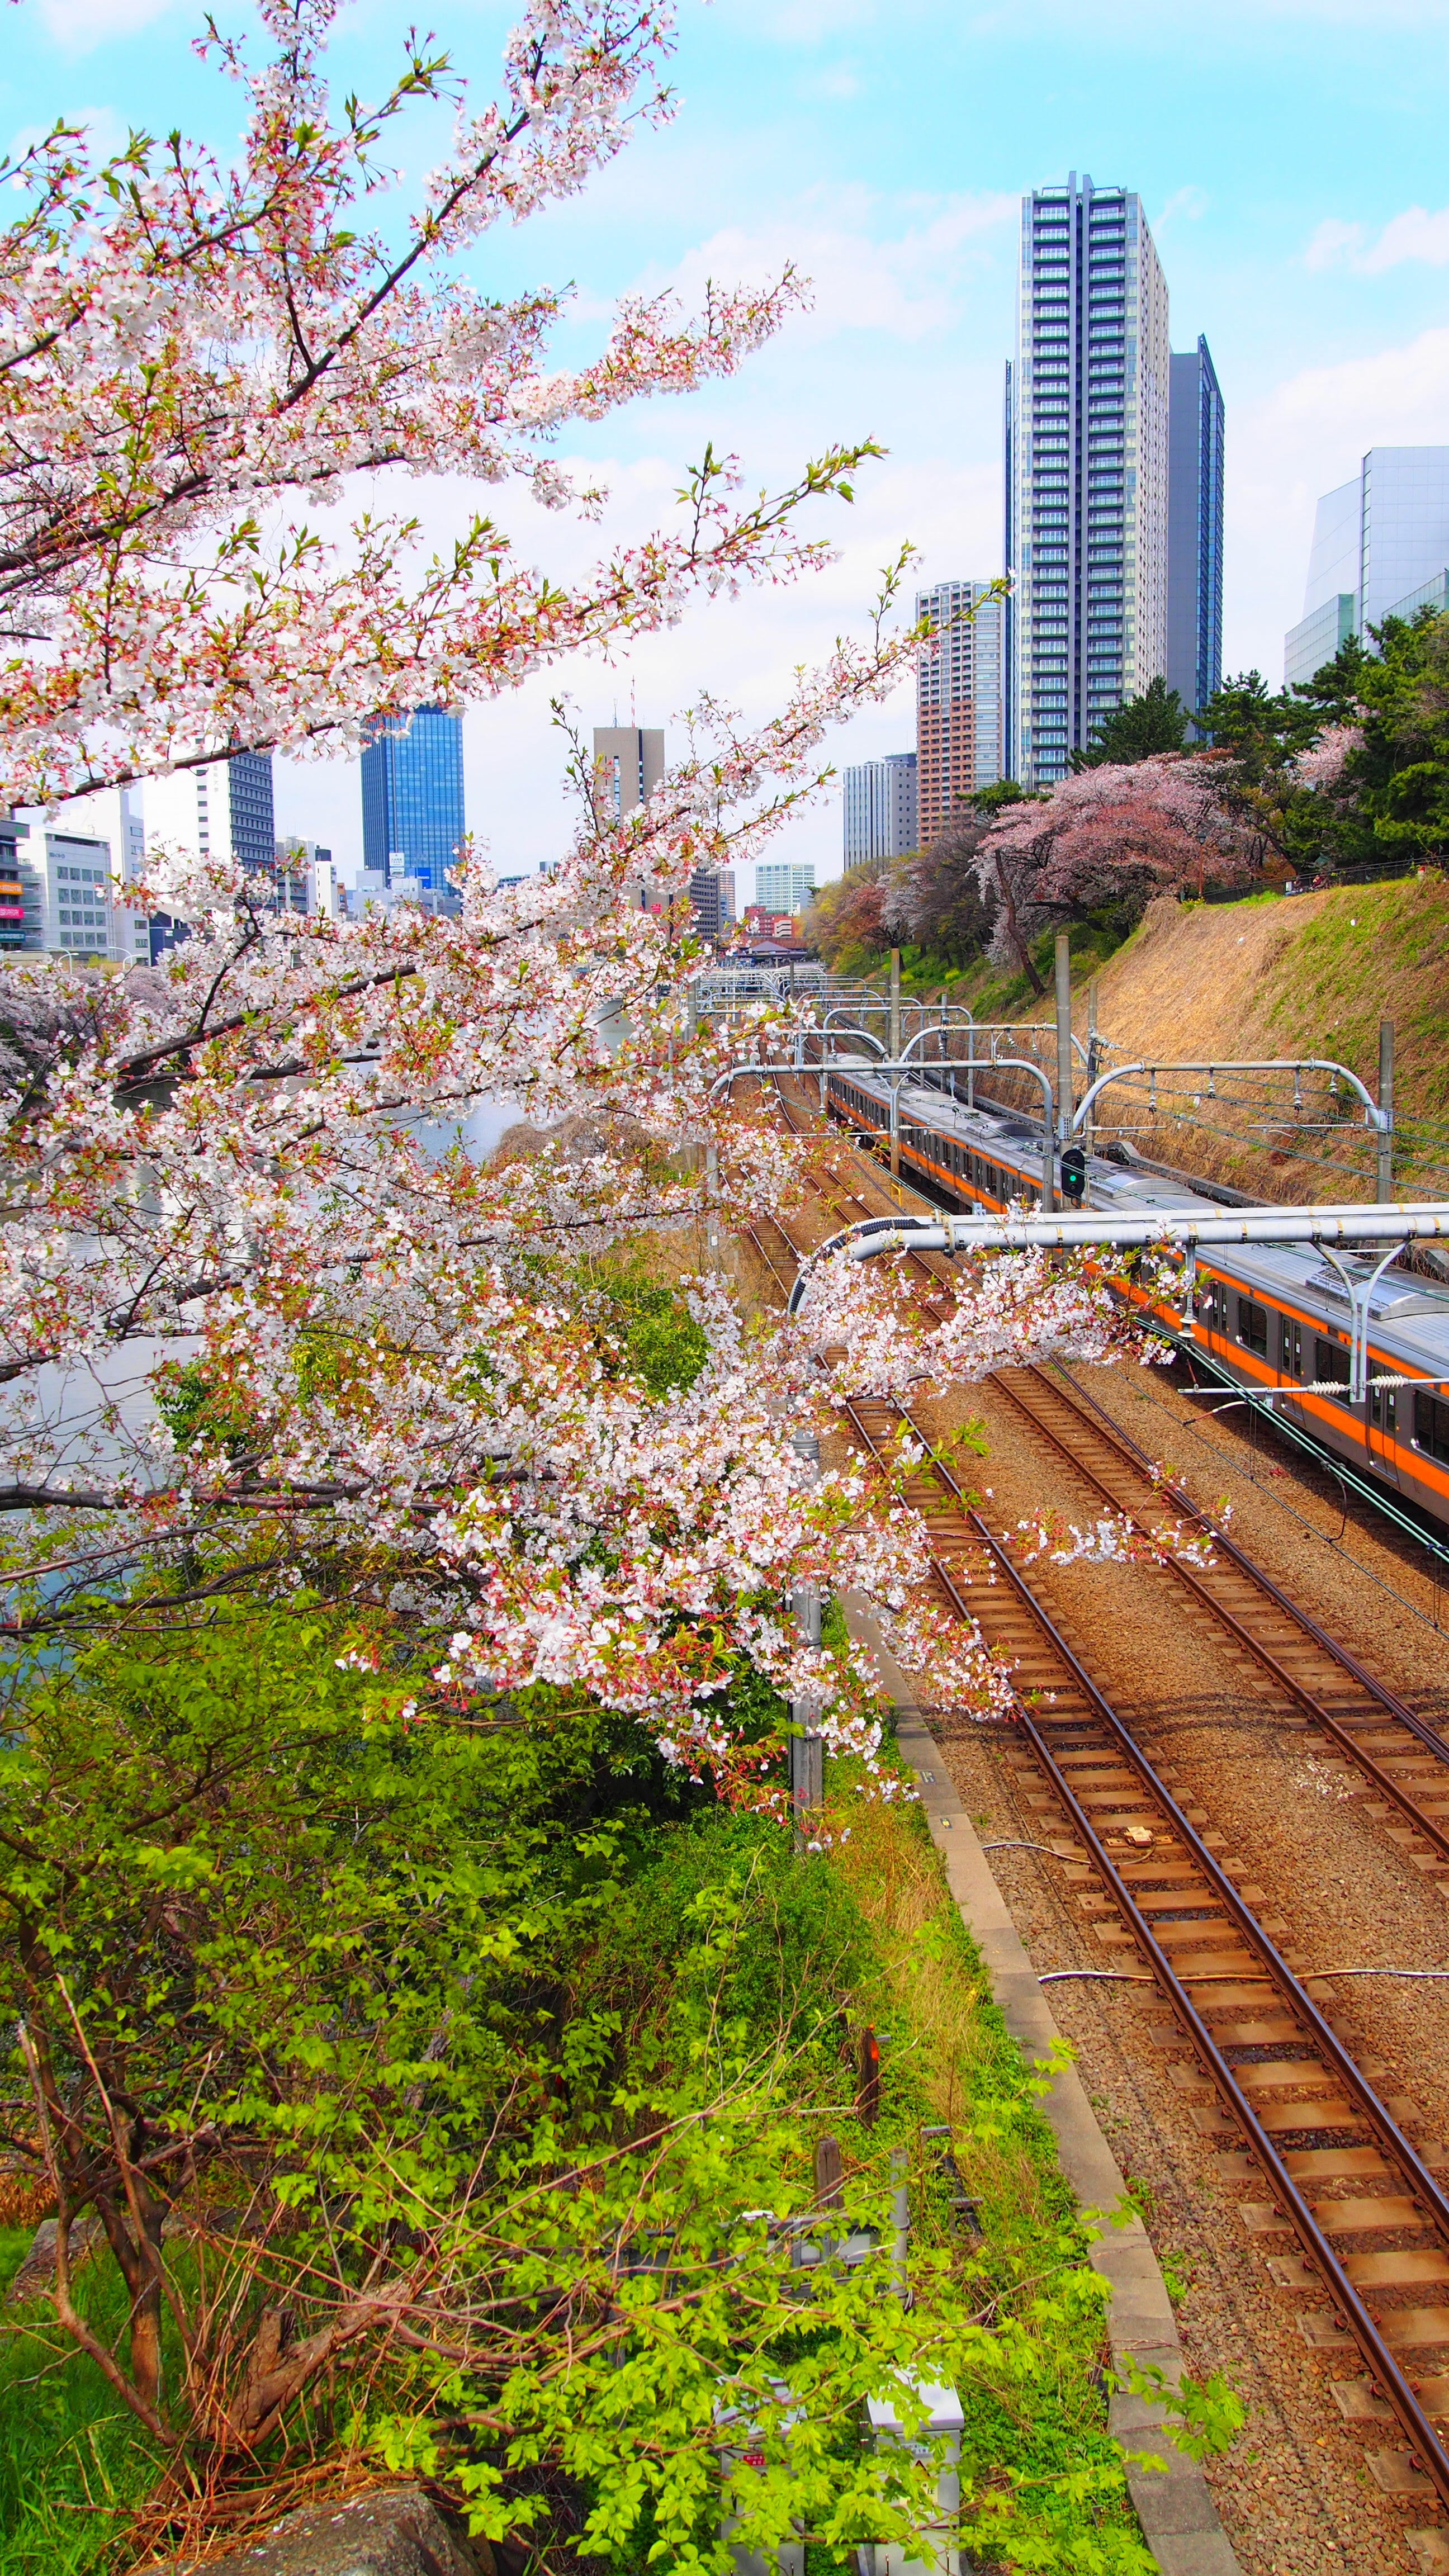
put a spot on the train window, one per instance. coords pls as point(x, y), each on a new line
point(1431, 1426)
point(1330, 1361)
point(1290, 1346)
point(1213, 1306)
point(1384, 1404)
point(1253, 1326)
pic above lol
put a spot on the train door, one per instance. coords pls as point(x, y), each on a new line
point(1212, 1304)
point(1383, 1418)
point(1290, 1347)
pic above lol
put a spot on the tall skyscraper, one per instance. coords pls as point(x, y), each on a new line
point(223, 810)
point(880, 808)
point(412, 802)
point(1196, 431)
point(958, 700)
point(1087, 409)
point(1380, 549)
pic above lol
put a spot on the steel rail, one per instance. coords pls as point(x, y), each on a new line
point(1389, 1700)
point(1374, 2114)
point(1202, 1592)
point(1335, 2060)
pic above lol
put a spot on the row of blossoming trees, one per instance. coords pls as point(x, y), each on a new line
point(327, 1482)
point(1105, 840)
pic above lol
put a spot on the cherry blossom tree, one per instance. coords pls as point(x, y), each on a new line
point(1111, 835)
point(192, 353)
point(267, 1314)
point(240, 1182)
point(1323, 763)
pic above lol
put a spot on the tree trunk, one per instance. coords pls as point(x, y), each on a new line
point(139, 2256)
point(1013, 932)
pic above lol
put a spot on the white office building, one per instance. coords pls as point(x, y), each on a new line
point(74, 871)
point(784, 885)
point(1380, 549)
point(880, 808)
point(1088, 399)
point(220, 810)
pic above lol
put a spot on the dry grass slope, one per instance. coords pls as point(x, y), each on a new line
point(1310, 977)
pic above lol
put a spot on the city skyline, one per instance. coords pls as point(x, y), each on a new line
point(1320, 280)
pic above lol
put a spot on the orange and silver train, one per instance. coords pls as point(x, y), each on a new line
point(1266, 1315)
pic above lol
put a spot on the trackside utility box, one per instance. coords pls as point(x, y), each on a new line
point(941, 2409)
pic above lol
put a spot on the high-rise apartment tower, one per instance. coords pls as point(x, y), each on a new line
point(1087, 408)
point(880, 808)
point(412, 802)
point(628, 765)
point(1196, 437)
point(958, 700)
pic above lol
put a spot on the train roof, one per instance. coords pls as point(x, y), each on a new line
point(1409, 1315)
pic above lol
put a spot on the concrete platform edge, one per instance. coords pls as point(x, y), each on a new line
point(1174, 2505)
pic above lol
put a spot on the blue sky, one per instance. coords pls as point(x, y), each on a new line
point(1291, 161)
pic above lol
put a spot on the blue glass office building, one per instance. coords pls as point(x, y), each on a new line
point(412, 799)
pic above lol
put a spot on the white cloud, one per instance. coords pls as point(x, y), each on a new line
point(78, 26)
point(1416, 234)
point(106, 132)
point(842, 81)
point(1191, 203)
point(744, 652)
point(1302, 439)
point(861, 278)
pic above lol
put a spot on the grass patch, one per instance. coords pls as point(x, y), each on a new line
point(73, 2460)
point(952, 2060)
point(867, 1935)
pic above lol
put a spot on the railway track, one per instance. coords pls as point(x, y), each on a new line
point(1303, 1669)
point(1287, 2099)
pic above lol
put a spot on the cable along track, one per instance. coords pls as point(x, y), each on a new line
point(1370, 2216)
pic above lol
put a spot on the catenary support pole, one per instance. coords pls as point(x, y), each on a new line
point(807, 1748)
point(1384, 1181)
point(1091, 1051)
point(1065, 1102)
point(895, 1059)
point(900, 2226)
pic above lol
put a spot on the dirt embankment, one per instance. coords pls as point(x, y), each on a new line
point(1269, 978)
